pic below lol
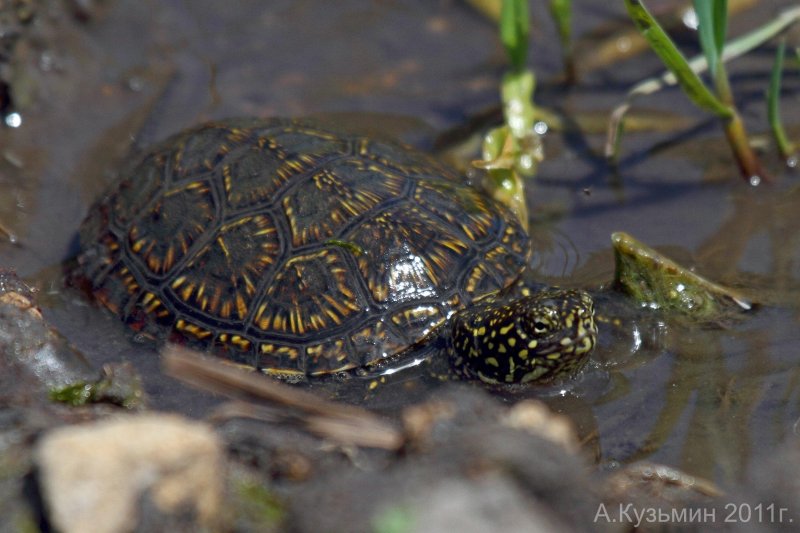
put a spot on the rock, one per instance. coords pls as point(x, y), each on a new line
point(94, 477)
point(13, 291)
point(33, 357)
point(489, 503)
point(37, 364)
point(471, 464)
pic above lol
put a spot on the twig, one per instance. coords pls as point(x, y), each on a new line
point(345, 424)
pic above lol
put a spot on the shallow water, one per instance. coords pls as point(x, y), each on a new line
point(707, 399)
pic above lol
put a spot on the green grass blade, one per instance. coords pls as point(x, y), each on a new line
point(720, 23)
point(733, 49)
point(561, 11)
point(514, 30)
point(662, 45)
point(773, 103)
point(712, 22)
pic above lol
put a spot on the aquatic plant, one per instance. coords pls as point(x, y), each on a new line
point(787, 149)
point(513, 149)
point(712, 22)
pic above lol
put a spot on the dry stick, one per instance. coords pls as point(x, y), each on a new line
point(345, 424)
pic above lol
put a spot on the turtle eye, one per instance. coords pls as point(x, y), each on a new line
point(540, 327)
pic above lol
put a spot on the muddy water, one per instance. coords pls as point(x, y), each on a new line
point(708, 399)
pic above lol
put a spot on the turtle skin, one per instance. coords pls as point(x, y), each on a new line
point(286, 246)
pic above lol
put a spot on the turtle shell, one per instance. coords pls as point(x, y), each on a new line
point(286, 246)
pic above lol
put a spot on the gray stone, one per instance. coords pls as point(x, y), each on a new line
point(92, 477)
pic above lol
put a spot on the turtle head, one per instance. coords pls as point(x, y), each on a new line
point(535, 338)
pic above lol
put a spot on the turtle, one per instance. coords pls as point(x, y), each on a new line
point(301, 251)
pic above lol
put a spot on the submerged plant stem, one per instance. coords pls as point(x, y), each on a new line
point(746, 159)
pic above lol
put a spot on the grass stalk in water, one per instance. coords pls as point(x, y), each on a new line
point(514, 149)
point(718, 100)
point(787, 149)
